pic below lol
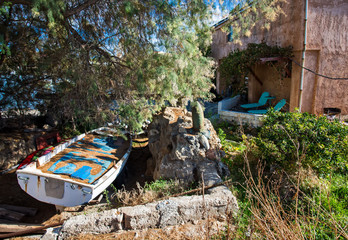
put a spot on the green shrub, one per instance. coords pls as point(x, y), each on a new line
point(287, 138)
point(324, 206)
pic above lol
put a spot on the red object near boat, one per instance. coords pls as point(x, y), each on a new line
point(47, 140)
point(44, 145)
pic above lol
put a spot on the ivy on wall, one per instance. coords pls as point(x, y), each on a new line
point(237, 65)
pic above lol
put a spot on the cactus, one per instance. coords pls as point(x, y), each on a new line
point(197, 117)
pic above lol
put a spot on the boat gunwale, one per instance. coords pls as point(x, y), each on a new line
point(31, 168)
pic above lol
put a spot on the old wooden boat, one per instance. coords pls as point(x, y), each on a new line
point(78, 170)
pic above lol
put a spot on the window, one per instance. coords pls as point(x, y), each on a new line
point(230, 35)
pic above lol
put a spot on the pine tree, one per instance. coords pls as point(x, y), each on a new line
point(75, 59)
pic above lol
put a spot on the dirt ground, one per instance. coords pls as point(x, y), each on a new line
point(12, 194)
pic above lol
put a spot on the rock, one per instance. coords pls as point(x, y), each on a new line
point(150, 166)
point(177, 152)
point(51, 234)
point(193, 140)
point(204, 141)
point(211, 154)
point(140, 217)
point(182, 130)
point(169, 216)
point(223, 170)
point(209, 171)
point(153, 132)
point(103, 222)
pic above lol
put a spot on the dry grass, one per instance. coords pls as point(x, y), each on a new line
point(269, 217)
point(272, 218)
point(203, 229)
point(148, 193)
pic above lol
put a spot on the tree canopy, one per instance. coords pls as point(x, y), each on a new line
point(89, 62)
point(80, 58)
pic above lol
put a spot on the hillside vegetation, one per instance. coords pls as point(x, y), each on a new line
point(291, 177)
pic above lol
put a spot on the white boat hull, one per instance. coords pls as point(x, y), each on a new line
point(54, 189)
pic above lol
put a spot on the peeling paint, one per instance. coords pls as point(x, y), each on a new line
point(38, 182)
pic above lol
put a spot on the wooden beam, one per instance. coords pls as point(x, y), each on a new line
point(10, 228)
point(271, 59)
point(11, 215)
point(29, 231)
point(25, 210)
point(256, 77)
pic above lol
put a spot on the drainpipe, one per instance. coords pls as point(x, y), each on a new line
point(303, 54)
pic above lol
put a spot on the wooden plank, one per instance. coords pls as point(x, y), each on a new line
point(10, 228)
point(29, 231)
point(10, 215)
point(271, 59)
point(25, 210)
point(256, 77)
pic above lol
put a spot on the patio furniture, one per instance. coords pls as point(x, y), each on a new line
point(277, 107)
point(262, 101)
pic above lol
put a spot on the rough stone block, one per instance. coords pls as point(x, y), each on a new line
point(169, 215)
point(140, 217)
point(103, 222)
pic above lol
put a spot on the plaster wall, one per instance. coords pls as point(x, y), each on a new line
point(287, 30)
point(328, 55)
point(327, 51)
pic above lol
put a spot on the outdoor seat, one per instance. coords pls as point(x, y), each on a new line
point(276, 108)
point(262, 101)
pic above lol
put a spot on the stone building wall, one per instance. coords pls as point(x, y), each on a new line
point(327, 42)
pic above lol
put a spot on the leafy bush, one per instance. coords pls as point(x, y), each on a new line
point(288, 138)
point(293, 203)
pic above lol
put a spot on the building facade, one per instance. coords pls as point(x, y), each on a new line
point(317, 28)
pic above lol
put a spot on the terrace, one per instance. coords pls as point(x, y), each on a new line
point(229, 111)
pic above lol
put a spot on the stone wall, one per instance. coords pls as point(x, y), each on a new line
point(179, 153)
point(219, 204)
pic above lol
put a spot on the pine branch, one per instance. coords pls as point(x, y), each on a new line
point(79, 8)
point(85, 44)
point(22, 2)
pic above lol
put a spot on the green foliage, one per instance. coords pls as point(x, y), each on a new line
point(236, 66)
point(287, 138)
point(326, 201)
point(233, 144)
point(164, 187)
point(68, 132)
point(74, 65)
point(158, 185)
point(268, 202)
point(107, 197)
